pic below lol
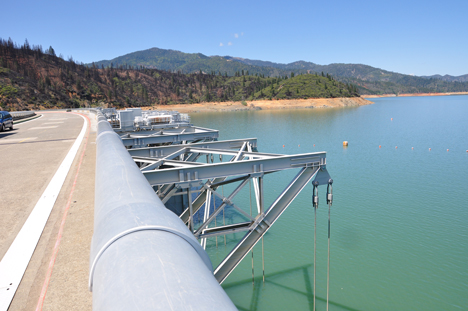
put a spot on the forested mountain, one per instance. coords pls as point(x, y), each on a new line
point(370, 80)
point(33, 78)
point(407, 85)
point(188, 63)
point(463, 78)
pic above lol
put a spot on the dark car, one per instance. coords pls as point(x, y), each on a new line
point(6, 121)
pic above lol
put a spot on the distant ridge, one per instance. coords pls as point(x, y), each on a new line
point(369, 80)
point(463, 78)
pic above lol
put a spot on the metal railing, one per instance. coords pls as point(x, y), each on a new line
point(18, 115)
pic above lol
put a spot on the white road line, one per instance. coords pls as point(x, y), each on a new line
point(12, 140)
point(43, 127)
point(16, 259)
point(54, 122)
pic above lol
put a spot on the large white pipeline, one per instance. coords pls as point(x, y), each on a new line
point(143, 257)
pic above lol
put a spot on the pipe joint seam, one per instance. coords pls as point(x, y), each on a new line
point(102, 120)
point(200, 251)
point(107, 132)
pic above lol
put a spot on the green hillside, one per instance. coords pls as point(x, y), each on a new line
point(188, 63)
point(154, 58)
point(305, 86)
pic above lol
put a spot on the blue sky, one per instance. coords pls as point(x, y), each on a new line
point(411, 37)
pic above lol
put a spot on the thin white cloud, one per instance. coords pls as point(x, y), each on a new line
point(236, 35)
point(229, 43)
point(221, 44)
point(242, 33)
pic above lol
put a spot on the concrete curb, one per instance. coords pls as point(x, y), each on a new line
point(27, 119)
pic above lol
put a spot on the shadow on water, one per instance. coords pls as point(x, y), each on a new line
point(308, 293)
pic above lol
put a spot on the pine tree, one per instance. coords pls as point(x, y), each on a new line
point(207, 96)
point(26, 45)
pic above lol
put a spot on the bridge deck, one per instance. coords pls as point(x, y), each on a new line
point(30, 155)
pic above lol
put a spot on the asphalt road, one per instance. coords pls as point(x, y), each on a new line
point(29, 157)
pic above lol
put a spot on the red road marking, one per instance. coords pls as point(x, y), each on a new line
point(62, 225)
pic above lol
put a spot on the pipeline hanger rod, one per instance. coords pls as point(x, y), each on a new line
point(329, 201)
point(315, 202)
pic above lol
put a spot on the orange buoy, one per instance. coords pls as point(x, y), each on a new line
point(380, 146)
point(412, 148)
point(345, 144)
point(447, 150)
point(314, 145)
point(396, 147)
point(429, 149)
point(283, 146)
point(391, 119)
point(298, 145)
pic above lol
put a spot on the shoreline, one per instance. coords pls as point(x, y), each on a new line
point(265, 105)
point(414, 95)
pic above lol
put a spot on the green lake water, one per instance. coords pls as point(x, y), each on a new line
point(399, 220)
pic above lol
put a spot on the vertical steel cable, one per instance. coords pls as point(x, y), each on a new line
point(189, 195)
point(328, 263)
point(250, 190)
point(329, 201)
point(263, 261)
point(315, 247)
point(214, 208)
point(224, 219)
point(222, 188)
point(315, 205)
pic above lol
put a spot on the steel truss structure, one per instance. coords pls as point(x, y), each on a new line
point(168, 134)
point(172, 168)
